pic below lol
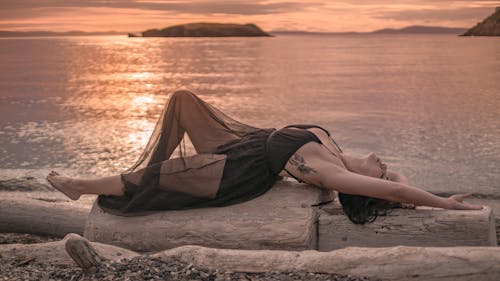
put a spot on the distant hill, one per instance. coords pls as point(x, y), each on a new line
point(223, 30)
point(419, 29)
point(414, 29)
point(205, 30)
point(488, 27)
point(299, 32)
point(4, 33)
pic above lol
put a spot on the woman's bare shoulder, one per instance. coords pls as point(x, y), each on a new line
point(311, 161)
point(326, 140)
point(312, 165)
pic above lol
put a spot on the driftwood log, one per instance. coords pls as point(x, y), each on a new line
point(388, 263)
point(283, 218)
point(423, 226)
point(391, 263)
point(24, 215)
point(54, 253)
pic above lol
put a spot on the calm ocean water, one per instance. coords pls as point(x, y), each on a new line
point(428, 104)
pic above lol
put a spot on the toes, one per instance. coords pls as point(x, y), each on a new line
point(52, 174)
point(407, 206)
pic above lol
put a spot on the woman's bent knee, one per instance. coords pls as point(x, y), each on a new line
point(182, 94)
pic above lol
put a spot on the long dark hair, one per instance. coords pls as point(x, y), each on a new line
point(362, 209)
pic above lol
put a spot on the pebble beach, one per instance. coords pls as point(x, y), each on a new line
point(139, 268)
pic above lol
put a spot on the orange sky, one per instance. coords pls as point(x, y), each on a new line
point(334, 16)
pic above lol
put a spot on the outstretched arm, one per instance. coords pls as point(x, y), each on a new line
point(398, 177)
point(352, 183)
point(313, 164)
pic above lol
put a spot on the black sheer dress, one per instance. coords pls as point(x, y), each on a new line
point(234, 163)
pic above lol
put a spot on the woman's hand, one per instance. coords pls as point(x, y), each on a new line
point(455, 202)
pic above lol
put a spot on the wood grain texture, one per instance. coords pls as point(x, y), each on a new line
point(280, 219)
point(388, 263)
point(423, 226)
point(54, 253)
point(24, 215)
point(392, 263)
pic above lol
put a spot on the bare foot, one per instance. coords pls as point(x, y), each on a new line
point(64, 184)
point(408, 206)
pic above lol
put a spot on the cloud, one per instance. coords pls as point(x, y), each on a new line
point(313, 15)
point(239, 7)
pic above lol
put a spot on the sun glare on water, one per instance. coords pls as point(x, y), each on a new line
point(140, 128)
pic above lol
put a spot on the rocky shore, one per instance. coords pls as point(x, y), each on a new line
point(138, 268)
point(490, 26)
point(144, 268)
point(24, 238)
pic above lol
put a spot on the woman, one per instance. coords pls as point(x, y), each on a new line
point(236, 162)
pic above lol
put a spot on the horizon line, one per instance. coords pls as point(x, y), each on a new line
point(271, 31)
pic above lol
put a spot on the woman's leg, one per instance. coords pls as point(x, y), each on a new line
point(74, 188)
point(206, 126)
point(186, 113)
point(198, 175)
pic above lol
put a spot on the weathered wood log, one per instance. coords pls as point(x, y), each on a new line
point(392, 263)
point(494, 204)
point(39, 217)
point(54, 253)
point(423, 226)
point(280, 219)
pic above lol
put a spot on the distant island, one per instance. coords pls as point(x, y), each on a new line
point(488, 27)
point(414, 29)
point(204, 30)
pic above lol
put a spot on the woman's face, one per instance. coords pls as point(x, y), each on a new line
point(372, 166)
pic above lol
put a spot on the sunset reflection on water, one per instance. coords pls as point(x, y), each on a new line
point(140, 129)
point(428, 104)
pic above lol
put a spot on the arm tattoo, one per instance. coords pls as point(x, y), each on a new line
point(299, 162)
